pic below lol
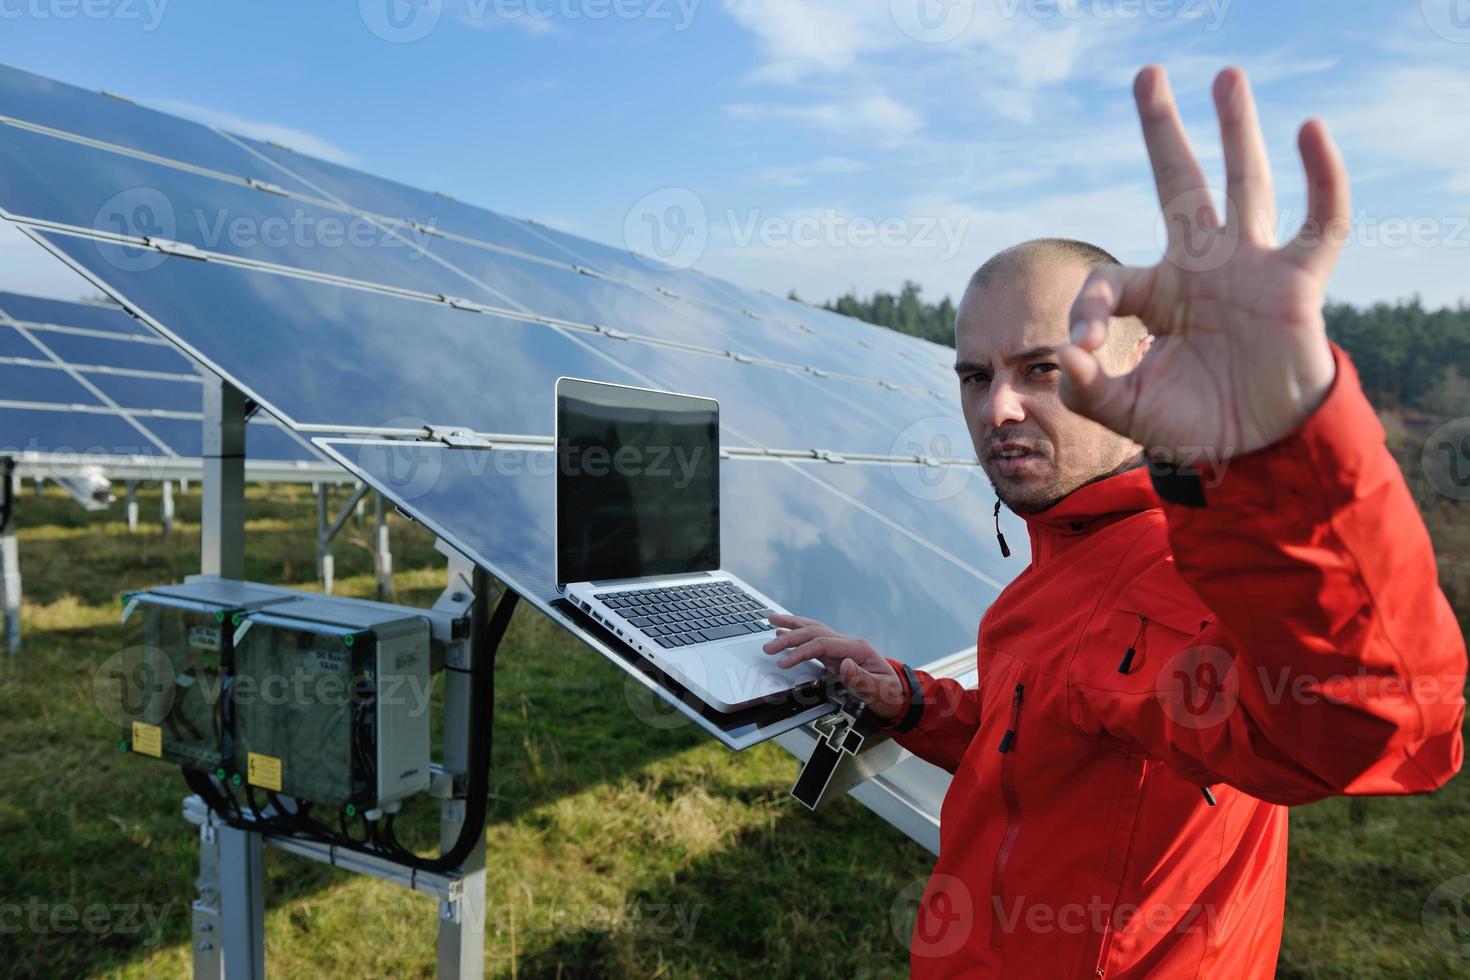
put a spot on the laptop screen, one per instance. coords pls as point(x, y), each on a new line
point(637, 482)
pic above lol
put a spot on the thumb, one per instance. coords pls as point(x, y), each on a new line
point(1087, 388)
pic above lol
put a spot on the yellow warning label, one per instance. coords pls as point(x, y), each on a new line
point(148, 739)
point(263, 771)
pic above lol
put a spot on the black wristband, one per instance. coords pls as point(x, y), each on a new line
point(1177, 485)
point(916, 701)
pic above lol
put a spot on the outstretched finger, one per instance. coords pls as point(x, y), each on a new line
point(1247, 165)
point(1329, 202)
point(788, 621)
point(1183, 194)
point(828, 649)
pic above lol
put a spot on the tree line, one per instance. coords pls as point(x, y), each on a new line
point(1407, 356)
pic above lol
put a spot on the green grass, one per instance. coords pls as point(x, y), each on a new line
point(615, 848)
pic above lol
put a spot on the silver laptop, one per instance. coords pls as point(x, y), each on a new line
point(638, 541)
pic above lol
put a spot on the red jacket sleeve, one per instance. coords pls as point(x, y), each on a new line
point(1336, 665)
point(950, 718)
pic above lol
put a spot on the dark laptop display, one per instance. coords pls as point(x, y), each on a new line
point(638, 492)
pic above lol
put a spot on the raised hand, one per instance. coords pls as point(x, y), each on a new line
point(1239, 356)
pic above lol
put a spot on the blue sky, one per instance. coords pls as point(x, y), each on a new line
point(820, 145)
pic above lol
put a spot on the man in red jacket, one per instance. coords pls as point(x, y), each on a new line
point(1232, 605)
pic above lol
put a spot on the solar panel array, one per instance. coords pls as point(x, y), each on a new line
point(344, 302)
point(87, 379)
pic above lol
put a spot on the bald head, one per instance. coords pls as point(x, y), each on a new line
point(1042, 256)
point(1011, 324)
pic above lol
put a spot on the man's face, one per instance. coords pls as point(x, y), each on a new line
point(1034, 450)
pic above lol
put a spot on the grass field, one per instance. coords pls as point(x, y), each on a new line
point(615, 847)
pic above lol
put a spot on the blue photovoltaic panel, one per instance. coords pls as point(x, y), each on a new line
point(68, 433)
point(383, 358)
point(89, 316)
point(97, 360)
point(60, 183)
point(56, 105)
point(42, 384)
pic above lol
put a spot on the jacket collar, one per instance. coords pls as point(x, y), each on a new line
point(1088, 508)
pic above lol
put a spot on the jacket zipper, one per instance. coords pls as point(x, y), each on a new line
point(1013, 818)
point(1132, 650)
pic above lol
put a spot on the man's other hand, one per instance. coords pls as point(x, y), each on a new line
point(1240, 356)
point(863, 671)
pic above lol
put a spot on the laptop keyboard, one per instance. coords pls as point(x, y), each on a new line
point(681, 615)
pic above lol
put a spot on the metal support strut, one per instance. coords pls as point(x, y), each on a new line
point(9, 557)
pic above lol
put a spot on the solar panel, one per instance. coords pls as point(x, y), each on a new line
point(86, 379)
point(55, 182)
point(469, 326)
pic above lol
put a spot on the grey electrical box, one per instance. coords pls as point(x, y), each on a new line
point(168, 687)
point(331, 701)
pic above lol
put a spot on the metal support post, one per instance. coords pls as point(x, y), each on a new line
point(166, 507)
point(222, 511)
point(324, 563)
point(131, 499)
point(240, 894)
point(9, 557)
point(205, 912)
point(382, 550)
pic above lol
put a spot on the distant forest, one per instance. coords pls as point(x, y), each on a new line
point(1407, 356)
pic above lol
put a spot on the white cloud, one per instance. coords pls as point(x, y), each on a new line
point(876, 115)
point(297, 139)
point(802, 174)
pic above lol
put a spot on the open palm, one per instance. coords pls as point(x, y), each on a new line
point(1239, 356)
